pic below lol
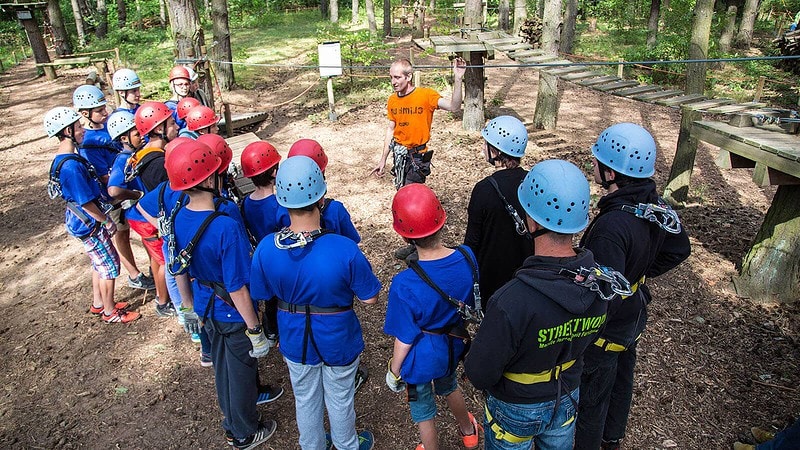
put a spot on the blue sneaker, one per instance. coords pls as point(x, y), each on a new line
point(366, 440)
point(195, 338)
point(268, 394)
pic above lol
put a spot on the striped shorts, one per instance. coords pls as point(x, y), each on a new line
point(104, 257)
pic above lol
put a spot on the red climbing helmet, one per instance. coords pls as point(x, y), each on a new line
point(174, 143)
point(220, 148)
point(258, 157)
point(179, 72)
point(416, 212)
point(200, 117)
point(186, 104)
point(150, 115)
point(189, 164)
point(312, 149)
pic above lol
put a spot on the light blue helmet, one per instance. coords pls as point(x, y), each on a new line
point(299, 182)
point(125, 79)
point(555, 194)
point(507, 134)
point(88, 97)
point(627, 149)
point(59, 118)
point(120, 123)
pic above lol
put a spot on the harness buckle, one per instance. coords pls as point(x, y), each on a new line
point(661, 214)
point(300, 239)
point(592, 277)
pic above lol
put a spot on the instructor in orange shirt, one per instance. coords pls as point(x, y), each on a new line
point(410, 113)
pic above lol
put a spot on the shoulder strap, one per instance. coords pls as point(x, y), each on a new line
point(519, 224)
point(54, 186)
point(253, 241)
point(184, 257)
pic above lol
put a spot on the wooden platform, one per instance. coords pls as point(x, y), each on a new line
point(245, 119)
point(237, 144)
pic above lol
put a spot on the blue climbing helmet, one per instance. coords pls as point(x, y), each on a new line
point(627, 149)
point(125, 80)
point(555, 194)
point(507, 134)
point(120, 123)
point(88, 97)
point(299, 182)
point(59, 118)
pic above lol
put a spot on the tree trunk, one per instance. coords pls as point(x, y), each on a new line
point(568, 33)
point(35, 38)
point(473, 14)
point(333, 7)
point(186, 30)
point(474, 118)
point(387, 17)
point(520, 15)
point(162, 13)
point(60, 35)
point(730, 28)
point(698, 47)
point(676, 191)
point(547, 102)
point(354, 12)
point(652, 23)
point(503, 15)
point(745, 35)
point(770, 270)
point(102, 20)
point(369, 8)
point(79, 25)
point(323, 8)
point(540, 7)
point(222, 51)
point(122, 14)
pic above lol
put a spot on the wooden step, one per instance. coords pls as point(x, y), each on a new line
point(560, 63)
point(599, 80)
point(616, 85)
point(637, 90)
point(538, 59)
point(511, 47)
point(580, 76)
point(713, 102)
point(565, 70)
point(517, 54)
point(734, 108)
point(681, 99)
point(656, 95)
point(501, 41)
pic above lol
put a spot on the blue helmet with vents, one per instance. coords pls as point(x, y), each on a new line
point(299, 182)
point(555, 194)
point(627, 149)
point(507, 134)
point(88, 96)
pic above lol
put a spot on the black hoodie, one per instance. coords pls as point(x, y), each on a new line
point(538, 320)
point(636, 248)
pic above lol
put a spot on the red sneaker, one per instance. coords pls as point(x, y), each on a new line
point(97, 310)
point(471, 440)
point(121, 316)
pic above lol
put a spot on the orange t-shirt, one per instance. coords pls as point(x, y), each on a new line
point(412, 115)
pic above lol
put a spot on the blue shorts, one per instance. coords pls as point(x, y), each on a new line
point(423, 404)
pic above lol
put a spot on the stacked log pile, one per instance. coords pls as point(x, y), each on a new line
point(789, 45)
point(531, 31)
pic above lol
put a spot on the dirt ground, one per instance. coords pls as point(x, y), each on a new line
point(710, 366)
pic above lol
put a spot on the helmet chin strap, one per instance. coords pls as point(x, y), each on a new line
point(130, 142)
point(603, 182)
point(71, 135)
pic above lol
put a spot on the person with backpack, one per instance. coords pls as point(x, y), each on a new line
point(73, 179)
point(214, 252)
point(526, 355)
point(426, 316)
point(496, 230)
point(314, 275)
point(638, 234)
point(100, 150)
point(127, 84)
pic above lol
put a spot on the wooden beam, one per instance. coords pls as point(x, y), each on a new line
point(510, 47)
point(681, 100)
point(643, 89)
point(565, 70)
point(767, 176)
point(727, 109)
point(728, 160)
point(598, 80)
point(657, 95)
point(616, 85)
point(517, 54)
point(713, 102)
point(580, 76)
point(538, 59)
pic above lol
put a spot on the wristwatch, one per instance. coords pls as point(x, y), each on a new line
point(255, 330)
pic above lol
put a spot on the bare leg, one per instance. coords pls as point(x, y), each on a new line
point(161, 281)
point(455, 401)
point(122, 241)
point(427, 431)
point(106, 288)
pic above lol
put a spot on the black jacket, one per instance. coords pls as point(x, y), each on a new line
point(538, 320)
point(635, 247)
point(491, 233)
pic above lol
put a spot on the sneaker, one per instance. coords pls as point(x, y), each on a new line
point(362, 375)
point(120, 316)
point(229, 438)
point(97, 310)
point(471, 440)
point(165, 310)
point(142, 281)
point(195, 337)
point(404, 252)
point(366, 440)
point(205, 360)
point(264, 432)
point(268, 394)
point(420, 447)
point(610, 445)
point(762, 435)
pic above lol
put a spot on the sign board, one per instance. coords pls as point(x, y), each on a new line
point(24, 14)
point(330, 59)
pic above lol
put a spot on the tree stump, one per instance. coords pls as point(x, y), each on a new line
point(771, 269)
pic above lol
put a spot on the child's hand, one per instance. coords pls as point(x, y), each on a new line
point(395, 383)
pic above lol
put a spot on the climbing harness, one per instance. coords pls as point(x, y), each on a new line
point(662, 215)
point(401, 156)
point(519, 224)
point(184, 257)
point(297, 240)
point(54, 187)
point(592, 277)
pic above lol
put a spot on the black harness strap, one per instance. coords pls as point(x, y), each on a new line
point(184, 257)
point(519, 224)
point(55, 185)
point(311, 309)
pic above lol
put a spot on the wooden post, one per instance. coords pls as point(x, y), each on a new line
point(331, 104)
point(769, 269)
point(545, 116)
point(226, 111)
point(473, 118)
point(14, 54)
point(759, 89)
point(677, 189)
point(2, 69)
point(620, 68)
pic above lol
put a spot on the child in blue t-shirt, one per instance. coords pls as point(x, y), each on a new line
point(73, 179)
point(215, 254)
point(313, 275)
point(260, 209)
point(430, 334)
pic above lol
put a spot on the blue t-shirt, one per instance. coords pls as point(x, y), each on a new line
point(261, 216)
point(173, 106)
point(414, 306)
point(130, 110)
point(100, 150)
point(328, 272)
point(79, 187)
point(334, 217)
point(116, 178)
point(221, 254)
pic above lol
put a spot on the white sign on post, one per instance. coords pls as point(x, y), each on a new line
point(330, 59)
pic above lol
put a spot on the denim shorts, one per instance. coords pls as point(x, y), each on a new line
point(547, 428)
point(424, 407)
